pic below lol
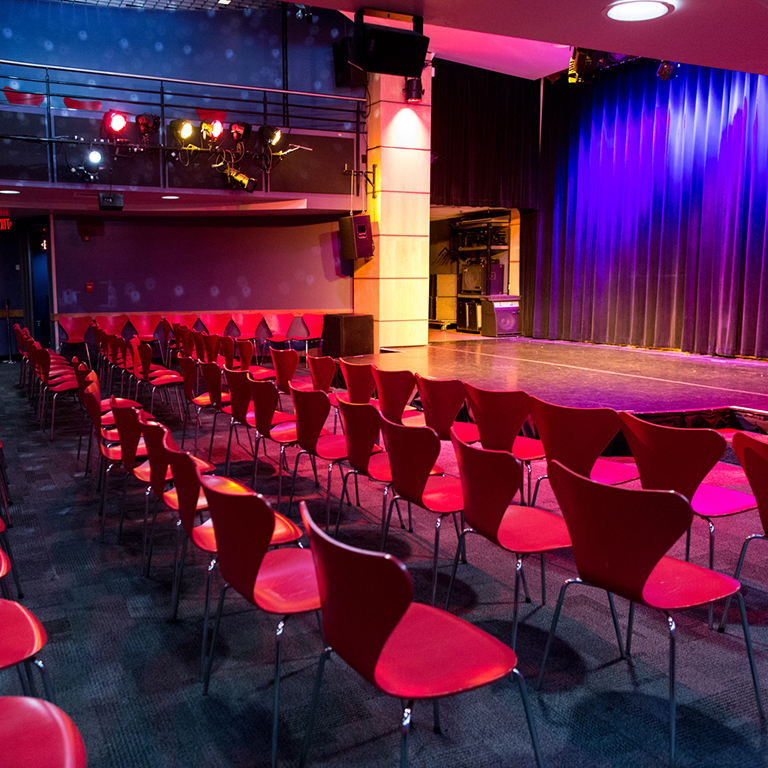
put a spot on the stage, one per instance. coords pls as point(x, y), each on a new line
point(589, 375)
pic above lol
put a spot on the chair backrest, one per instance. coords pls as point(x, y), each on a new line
point(215, 323)
point(412, 452)
point(362, 424)
point(278, 322)
point(499, 415)
point(574, 436)
point(197, 339)
point(43, 362)
point(248, 323)
point(265, 396)
point(671, 457)
point(211, 344)
point(394, 390)
point(359, 380)
point(128, 430)
point(154, 434)
point(228, 351)
point(81, 373)
point(111, 323)
point(145, 325)
point(136, 367)
point(239, 394)
point(185, 480)
point(123, 360)
point(311, 408)
point(363, 596)
point(314, 323)
point(212, 378)
point(489, 481)
point(188, 368)
point(245, 353)
point(186, 341)
point(285, 362)
point(753, 457)
point(322, 370)
point(243, 522)
point(618, 534)
point(442, 400)
point(75, 327)
point(92, 398)
point(145, 358)
point(187, 319)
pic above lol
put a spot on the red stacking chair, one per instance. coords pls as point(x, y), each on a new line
point(159, 378)
point(248, 325)
point(218, 399)
point(112, 324)
point(36, 733)
point(413, 452)
point(278, 324)
point(405, 649)
point(442, 400)
point(322, 371)
point(489, 481)
point(285, 362)
point(76, 328)
point(245, 354)
point(313, 322)
point(395, 390)
point(619, 538)
point(240, 409)
point(359, 380)
point(215, 323)
point(278, 581)
point(146, 327)
point(64, 380)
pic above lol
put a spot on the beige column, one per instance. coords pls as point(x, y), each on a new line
point(394, 285)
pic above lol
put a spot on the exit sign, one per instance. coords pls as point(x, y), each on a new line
point(5, 224)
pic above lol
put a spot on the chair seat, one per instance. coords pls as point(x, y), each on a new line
point(466, 431)
point(105, 404)
point(260, 373)
point(277, 337)
point(115, 452)
point(204, 537)
point(285, 433)
point(37, 733)
point(529, 529)
point(716, 501)
point(303, 385)
point(431, 654)
point(286, 582)
point(379, 469)
point(23, 634)
point(204, 400)
point(171, 499)
point(143, 471)
point(613, 472)
point(442, 494)
point(413, 418)
point(527, 448)
point(331, 447)
point(63, 385)
point(166, 379)
point(5, 564)
point(676, 584)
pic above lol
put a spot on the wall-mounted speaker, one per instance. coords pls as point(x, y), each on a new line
point(388, 50)
point(348, 74)
point(500, 318)
point(355, 237)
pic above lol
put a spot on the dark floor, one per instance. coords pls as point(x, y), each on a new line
point(128, 676)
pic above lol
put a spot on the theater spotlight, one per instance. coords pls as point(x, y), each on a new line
point(91, 165)
point(114, 122)
point(240, 132)
point(241, 179)
point(212, 131)
point(180, 130)
point(666, 70)
point(413, 90)
point(270, 135)
point(148, 124)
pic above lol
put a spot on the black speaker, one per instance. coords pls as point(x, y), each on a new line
point(347, 335)
point(496, 280)
point(348, 75)
point(355, 237)
point(473, 278)
point(500, 318)
point(388, 50)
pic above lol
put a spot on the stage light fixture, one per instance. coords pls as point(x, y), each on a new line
point(666, 70)
point(413, 90)
point(114, 122)
point(270, 135)
point(180, 130)
point(212, 131)
point(94, 157)
point(148, 124)
point(242, 179)
point(240, 131)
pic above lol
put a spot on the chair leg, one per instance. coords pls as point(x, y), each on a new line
point(152, 536)
point(543, 582)
point(324, 656)
point(553, 627)
point(531, 725)
point(434, 558)
point(293, 481)
point(672, 700)
point(736, 575)
point(328, 499)
point(711, 563)
point(178, 568)
point(344, 479)
point(278, 637)
point(405, 727)
point(518, 572)
point(536, 489)
point(748, 643)
point(616, 624)
point(229, 446)
point(207, 614)
point(462, 537)
point(385, 526)
point(209, 660)
point(630, 624)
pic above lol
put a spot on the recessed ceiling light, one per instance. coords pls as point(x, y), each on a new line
point(9, 192)
point(638, 10)
point(170, 197)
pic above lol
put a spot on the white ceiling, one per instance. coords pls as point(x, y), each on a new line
point(499, 34)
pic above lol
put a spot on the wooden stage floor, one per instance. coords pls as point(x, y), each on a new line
point(589, 375)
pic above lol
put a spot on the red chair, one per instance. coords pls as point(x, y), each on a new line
point(395, 390)
point(405, 649)
point(670, 458)
point(211, 345)
point(311, 409)
point(248, 325)
point(285, 362)
point(489, 482)
point(227, 352)
point(359, 380)
point(442, 399)
point(160, 378)
point(112, 324)
point(239, 410)
point(322, 371)
point(281, 582)
point(218, 399)
point(76, 328)
point(413, 452)
point(65, 381)
point(278, 325)
point(576, 437)
point(7, 565)
point(313, 322)
point(753, 457)
point(187, 319)
point(146, 327)
point(619, 538)
point(215, 323)
point(36, 734)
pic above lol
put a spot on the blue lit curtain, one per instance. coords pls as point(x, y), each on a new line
point(653, 212)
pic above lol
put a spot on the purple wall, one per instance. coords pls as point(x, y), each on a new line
point(157, 265)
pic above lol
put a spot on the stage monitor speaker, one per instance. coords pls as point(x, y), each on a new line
point(348, 74)
point(473, 278)
point(355, 237)
point(347, 335)
point(500, 317)
point(388, 50)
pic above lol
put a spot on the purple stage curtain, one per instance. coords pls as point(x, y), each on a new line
point(653, 212)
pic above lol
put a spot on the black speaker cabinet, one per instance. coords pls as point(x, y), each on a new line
point(389, 50)
point(355, 237)
point(500, 317)
point(348, 74)
point(347, 335)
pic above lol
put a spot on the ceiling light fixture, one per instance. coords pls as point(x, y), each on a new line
point(9, 192)
point(638, 10)
point(170, 197)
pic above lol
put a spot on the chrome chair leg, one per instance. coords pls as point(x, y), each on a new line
point(313, 706)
